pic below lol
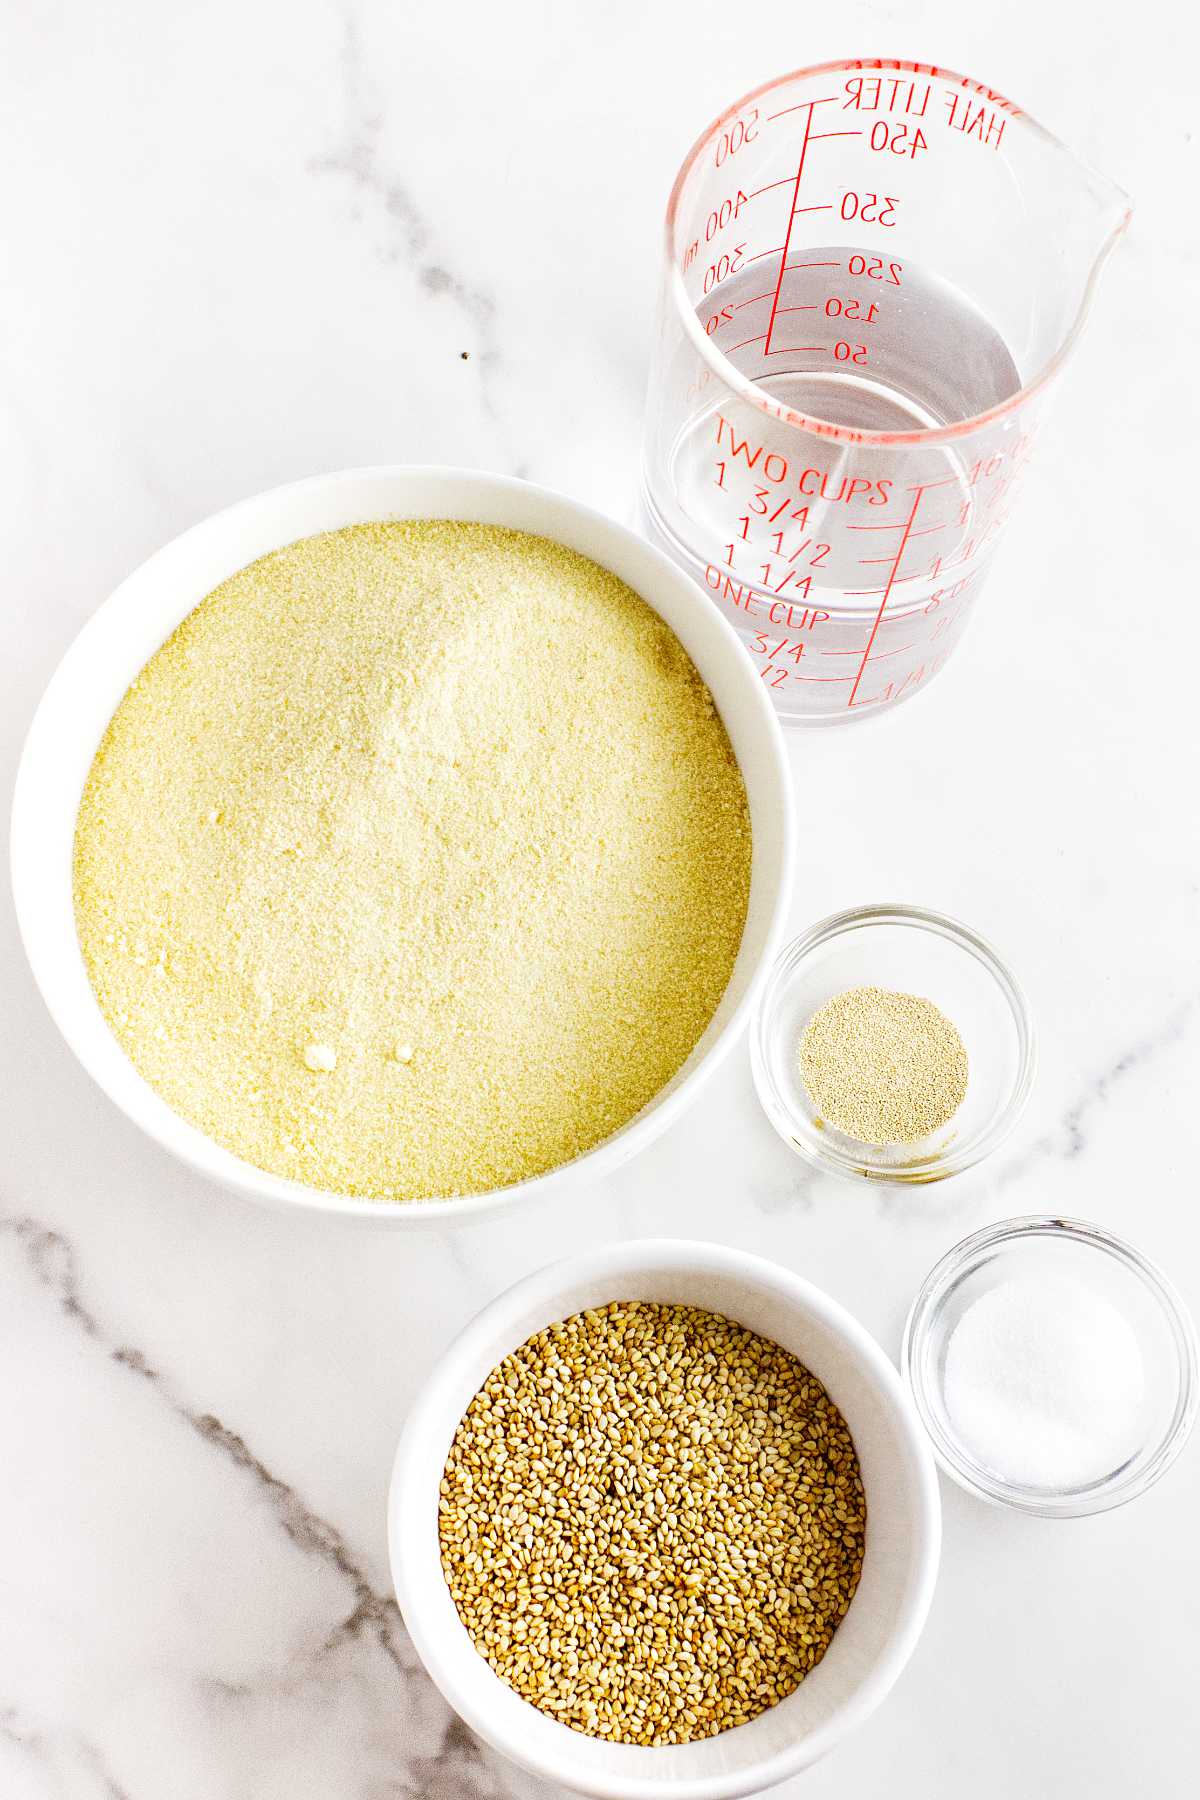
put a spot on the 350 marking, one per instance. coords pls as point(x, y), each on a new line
point(871, 209)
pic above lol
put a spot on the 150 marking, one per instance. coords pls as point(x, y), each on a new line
point(839, 308)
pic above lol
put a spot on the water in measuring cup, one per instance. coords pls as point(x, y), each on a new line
point(786, 526)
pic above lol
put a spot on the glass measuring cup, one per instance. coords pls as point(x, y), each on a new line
point(874, 271)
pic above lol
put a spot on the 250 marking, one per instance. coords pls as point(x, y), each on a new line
point(875, 268)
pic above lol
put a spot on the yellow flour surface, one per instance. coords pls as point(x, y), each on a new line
point(415, 862)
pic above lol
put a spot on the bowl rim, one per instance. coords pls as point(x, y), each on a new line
point(931, 1296)
point(535, 1292)
point(178, 1136)
point(821, 1152)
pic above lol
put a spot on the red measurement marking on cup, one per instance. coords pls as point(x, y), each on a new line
point(825, 100)
point(898, 525)
point(883, 654)
point(888, 586)
point(899, 581)
point(925, 532)
point(787, 241)
point(808, 106)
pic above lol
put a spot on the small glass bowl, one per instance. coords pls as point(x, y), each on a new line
point(909, 950)
point(1111, 1269)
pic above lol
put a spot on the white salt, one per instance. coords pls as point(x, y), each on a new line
point(1043, 1383)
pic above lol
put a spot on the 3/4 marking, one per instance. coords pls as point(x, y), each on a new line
point(791, 647)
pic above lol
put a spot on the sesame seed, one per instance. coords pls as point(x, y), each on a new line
point(674, 1607)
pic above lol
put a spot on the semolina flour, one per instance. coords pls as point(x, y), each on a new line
point(415, 862)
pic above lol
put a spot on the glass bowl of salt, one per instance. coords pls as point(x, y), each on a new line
point(1054, 1367)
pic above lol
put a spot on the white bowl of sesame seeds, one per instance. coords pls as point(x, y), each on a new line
point(878, 1631)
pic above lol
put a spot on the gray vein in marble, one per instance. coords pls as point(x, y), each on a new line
point(358, 161)
point(792, 1194)
point(52, 1749)
point(451, 1242)
point(1070, 1138)
point(455, 1770)
point(53, 1261)
point(374, 1616)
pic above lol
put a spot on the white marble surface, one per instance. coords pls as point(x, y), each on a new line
point(245, 242)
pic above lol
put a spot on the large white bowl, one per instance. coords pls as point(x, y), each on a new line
point(885, 1618)
point(126, 631)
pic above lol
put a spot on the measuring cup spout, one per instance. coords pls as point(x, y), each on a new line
point(1082, 215)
